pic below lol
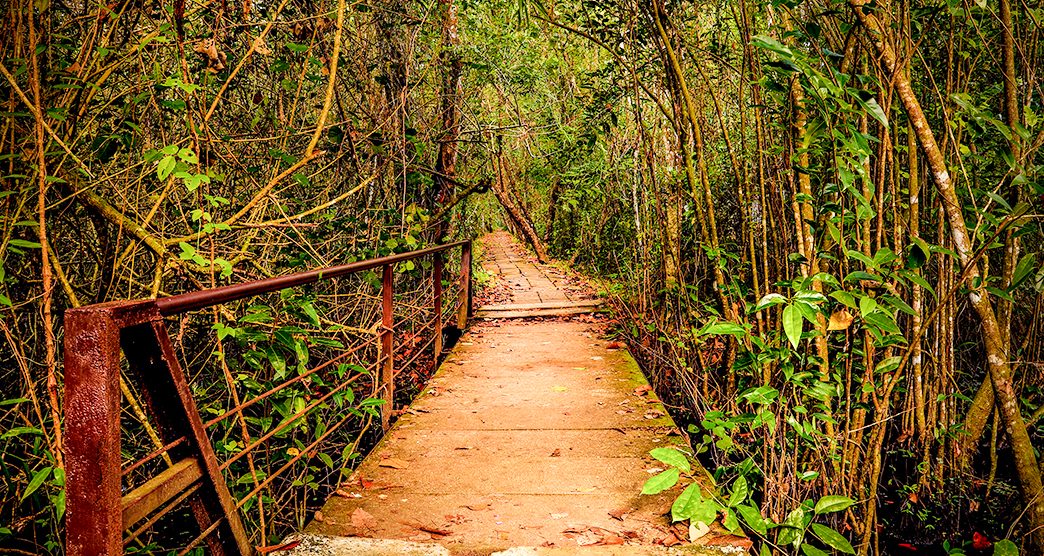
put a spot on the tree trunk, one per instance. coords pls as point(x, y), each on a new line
point(446, 165)
point(993, 338)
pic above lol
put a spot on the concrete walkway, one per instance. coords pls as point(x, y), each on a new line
point(533, 433)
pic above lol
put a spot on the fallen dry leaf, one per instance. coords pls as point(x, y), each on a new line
point(729, 540)
point(670, 540)
point(620, 513)
point(840, 320)
point(394, 463)
point(361, 519)
point(697, 530)
point(641, 390)
point(611, 540)
point(556, 453)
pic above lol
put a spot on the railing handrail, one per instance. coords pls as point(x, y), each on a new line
point(199, 299)
point(98, 509)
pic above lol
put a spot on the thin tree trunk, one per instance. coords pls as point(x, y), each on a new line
point(1000, 370)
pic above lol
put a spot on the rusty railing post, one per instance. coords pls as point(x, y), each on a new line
point(93, 518)
point(465, 310)
point(436, 283)
point(387, 354)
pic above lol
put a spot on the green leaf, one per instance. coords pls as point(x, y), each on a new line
point(877, 112)
point(726, 328)
point(25, 244)
point(35, 483)
point(686, 504)
point(18, 431)
point(188, 252)
point(792, 324)
point(1023, 270)
point(832, 538)
point(810, 550)
point(752, 516)
point(166, 167)
point(673, 457)
point(309, 311)
point(661, 482)
point(833, 503)
point(1005, 548)
point(769, 300)
point(888, 365)
point(740, 490)
point(793, 528)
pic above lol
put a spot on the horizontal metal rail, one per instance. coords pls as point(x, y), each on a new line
point(99, 511)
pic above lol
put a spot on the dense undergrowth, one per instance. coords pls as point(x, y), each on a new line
point(821, 217)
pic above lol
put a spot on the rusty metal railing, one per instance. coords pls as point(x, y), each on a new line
point(101, 515)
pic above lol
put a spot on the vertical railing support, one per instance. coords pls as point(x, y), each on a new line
point(93, 519)
point(387, 353)
point(465, 286)
point(436, 285)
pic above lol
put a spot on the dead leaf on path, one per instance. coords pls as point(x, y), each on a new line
point(620, 513)
point(319, 517)
point(611, 540)
point(641, 390)
point(365, 483)
point(361, 519)
point(697, 530)
point(394, 463)
point(616, 345)
point(730, 540)
point(840, 320)
point(559, 388)
point(556, 453)
point(670, 540)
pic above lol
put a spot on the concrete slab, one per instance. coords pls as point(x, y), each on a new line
point(532, 434)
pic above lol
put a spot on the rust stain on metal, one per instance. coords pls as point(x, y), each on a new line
point(97, 514)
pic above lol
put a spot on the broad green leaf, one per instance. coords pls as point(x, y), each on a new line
point(37, 480)
point(739, 491)
point(833, 503)
point(792, 324)
point(1005, 548)
point(686, 503)
point(793, 528)
point(1023, 270)
point(769, 300)
point(661, 481)
point(672, 457)
point(832, 538)
point(17, 431)
point(888, 365)
point(809, 550)
point(752, 516)
point(725, 328)
point(730, 521)
point(309, 311)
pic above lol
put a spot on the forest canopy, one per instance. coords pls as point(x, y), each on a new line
point(819, 221)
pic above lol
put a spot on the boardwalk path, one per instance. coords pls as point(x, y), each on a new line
point(531, 435)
